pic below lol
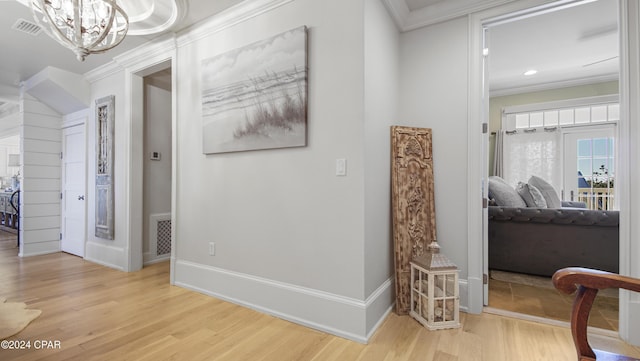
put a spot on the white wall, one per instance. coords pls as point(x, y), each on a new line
point(157, 173)
point(289, 234)
point(381, 97)
point(40, 187)
point(112, 253)
point(433, 88)
point(281, 214)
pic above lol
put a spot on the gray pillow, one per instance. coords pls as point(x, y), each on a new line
point(531, 195)
point(503, 194)
point(548, 192)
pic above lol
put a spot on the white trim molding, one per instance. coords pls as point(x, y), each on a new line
point(554, 85)
point(477, 112)
point(228, 18)
point(78, 118)
point(627, 167)
point(342, 316)
point(437, 12)
point(108, 256)
point(156, 48)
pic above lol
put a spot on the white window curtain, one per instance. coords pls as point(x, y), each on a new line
point(498, 158)
point(532, 152)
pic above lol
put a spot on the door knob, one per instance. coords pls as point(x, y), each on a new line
point(81, 198)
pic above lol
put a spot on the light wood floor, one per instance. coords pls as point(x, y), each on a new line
point(547, 302)
point(101, 314)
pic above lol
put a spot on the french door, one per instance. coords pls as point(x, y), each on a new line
point(589, 173)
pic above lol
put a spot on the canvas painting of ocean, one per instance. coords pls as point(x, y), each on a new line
point(255, 97)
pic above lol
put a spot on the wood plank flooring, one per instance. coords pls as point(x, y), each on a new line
point(547, 302)
point(101, 314)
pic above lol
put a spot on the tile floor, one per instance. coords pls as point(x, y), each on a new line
point(547, 302)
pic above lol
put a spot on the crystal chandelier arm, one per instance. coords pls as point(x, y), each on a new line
point(109, 29)
point(77, 21)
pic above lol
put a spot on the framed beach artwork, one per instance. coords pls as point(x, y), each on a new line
point(255, 97)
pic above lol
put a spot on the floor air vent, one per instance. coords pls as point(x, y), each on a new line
point(164, 238)
point(157, 246)
point(27, 27)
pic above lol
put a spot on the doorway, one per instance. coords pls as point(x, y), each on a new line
point(9, 174)
point(546, 89)
point(157, 165)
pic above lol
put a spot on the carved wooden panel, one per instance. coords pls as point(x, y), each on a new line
point(105, 109)
point(414, 223)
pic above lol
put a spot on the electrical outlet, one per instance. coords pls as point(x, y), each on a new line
point(212, 249)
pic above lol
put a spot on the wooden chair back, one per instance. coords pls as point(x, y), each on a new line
point(587, 283)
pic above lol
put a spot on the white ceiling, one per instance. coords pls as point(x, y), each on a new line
point(24, 55)
point(573, 46)
point(559, 44)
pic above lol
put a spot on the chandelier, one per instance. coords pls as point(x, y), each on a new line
point(84, 26)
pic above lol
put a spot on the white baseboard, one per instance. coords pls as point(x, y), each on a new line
point(342, 316)
point(108, 256)
point(149, 258)
point(631, 333)
point(464, 295)
point(29, 249)
point(471, 295)
point(377, 325)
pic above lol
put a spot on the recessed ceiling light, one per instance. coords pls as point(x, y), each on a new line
point(530, 72)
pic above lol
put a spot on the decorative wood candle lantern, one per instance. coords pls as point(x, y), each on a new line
point(435, 300)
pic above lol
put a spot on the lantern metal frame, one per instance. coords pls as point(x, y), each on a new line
point(438, 306)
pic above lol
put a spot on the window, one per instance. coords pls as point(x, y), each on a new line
point(568, 143)
point(583, 115)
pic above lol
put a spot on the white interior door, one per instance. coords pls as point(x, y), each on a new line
point(73, 214)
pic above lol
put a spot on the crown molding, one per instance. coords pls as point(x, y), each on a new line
point(103, 71)
point(398, 10)
point(170, 41)
point(228, 18)
point(158, 46)
point(553, 85)
point(407, 20)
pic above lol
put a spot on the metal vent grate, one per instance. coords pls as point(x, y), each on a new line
point(164, 237)
point(27, 27)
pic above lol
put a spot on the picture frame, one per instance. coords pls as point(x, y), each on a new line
point(255, 97)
